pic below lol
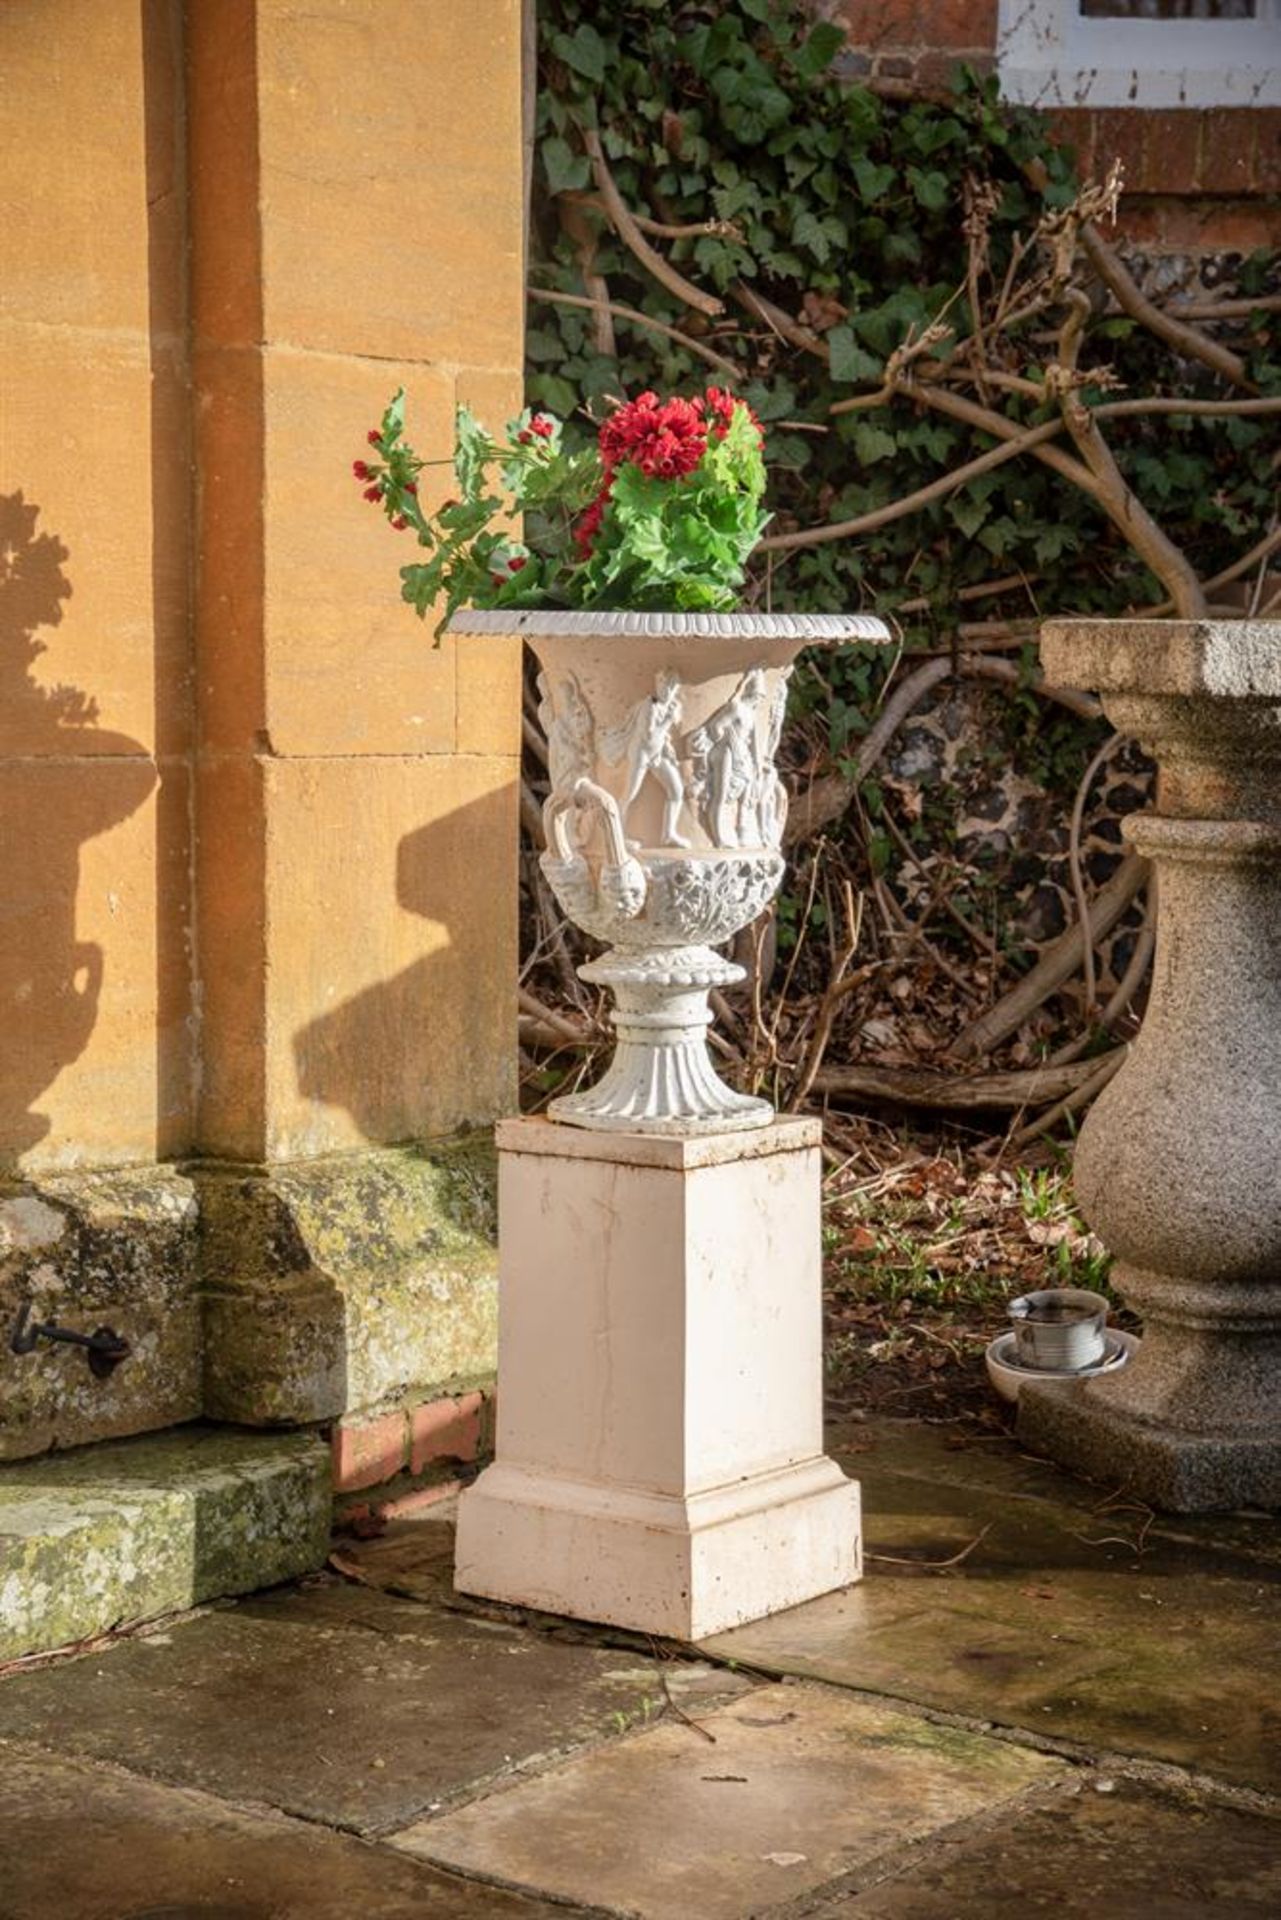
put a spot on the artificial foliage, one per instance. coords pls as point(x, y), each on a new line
point(661, 513)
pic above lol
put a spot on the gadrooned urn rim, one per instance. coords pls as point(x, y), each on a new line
point(809, 628)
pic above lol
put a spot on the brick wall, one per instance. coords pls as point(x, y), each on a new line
point(1196, 181)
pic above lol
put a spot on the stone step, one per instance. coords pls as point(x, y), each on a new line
point(131, 1529)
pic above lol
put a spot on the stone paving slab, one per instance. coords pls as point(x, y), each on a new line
point(995, 1463)
point(1126, 1854)
point(343, 1705)
point(801, 1785)
point(88, 1843)
point(1064, 1622)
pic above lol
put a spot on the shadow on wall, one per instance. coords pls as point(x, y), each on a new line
point(432, 1047)
point(50, 982)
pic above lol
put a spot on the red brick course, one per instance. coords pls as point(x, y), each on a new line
point(369, 1452)
point(925, 25)
point(445, 1430)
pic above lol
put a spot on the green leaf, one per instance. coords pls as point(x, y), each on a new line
point(930, 189)
point(873, 443)
point(968, 515)
point(555, 393)
point(566, 170)
point(819, 49)
point(584, 51)
point(850, 361)
point(873, 181)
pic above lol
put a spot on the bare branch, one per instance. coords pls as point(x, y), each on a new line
point(620, 218)
point(913, 502)
point(639, 319)
point(922, 1087)
point(1057, 964)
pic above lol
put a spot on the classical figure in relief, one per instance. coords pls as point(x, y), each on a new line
point(773, 794)
point(730, 767)
point(621, 884)
point(643, 743)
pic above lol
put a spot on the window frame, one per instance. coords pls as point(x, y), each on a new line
point(1049, 55)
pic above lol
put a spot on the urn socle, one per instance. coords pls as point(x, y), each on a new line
point(664, 828)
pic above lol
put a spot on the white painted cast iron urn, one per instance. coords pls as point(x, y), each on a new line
point(664, 828)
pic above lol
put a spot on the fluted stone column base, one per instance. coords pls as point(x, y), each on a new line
point(1176, 1167)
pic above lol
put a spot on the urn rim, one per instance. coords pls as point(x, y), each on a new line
point(546, 622)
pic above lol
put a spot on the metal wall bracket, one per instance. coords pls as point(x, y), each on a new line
point(104, 1347)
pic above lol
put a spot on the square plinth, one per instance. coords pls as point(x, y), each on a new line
point(659, 1444)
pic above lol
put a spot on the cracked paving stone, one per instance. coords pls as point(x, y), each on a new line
point(1064, 1622)
point(801, 1785)
point(1128, 1854)
point(341, 1704)
point(84, 1843)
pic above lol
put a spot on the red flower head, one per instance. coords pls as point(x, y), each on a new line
point(374, 438)
point(373, 493)
point(719, 405)
point(360, 469)
point(587, 526)
point(539, 428)
point(665, 440)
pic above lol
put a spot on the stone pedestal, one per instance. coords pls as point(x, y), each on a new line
point(1177, 1165)
point(659, 1459)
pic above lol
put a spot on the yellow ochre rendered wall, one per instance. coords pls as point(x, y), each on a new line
point(257, 838)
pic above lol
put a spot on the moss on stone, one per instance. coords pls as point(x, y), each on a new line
point(347, 1282)
point(91, 1249)
point(137, 1528)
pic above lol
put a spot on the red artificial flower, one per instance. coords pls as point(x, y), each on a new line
point(720, 405)
point(542, 426)
point(374, 438)
point(587, 526)
point(373, 493)
point(666, 440)
point(360, 469)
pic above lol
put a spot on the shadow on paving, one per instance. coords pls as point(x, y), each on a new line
point(84, 1843)
point(374, 1743)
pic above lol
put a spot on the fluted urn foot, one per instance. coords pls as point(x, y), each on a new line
point(661, 1077)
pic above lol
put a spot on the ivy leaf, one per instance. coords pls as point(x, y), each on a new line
point(819, 49)
point(584, 51)
point(849, 361)
point(874, 180)
point(873, 443)
point(556, 394)
point(968, 514)
point(931, 189)
point(566, 170)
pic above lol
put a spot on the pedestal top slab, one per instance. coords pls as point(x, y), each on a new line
point(546, 1137)
point(1222, 659)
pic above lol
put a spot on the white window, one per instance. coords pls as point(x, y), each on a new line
point(1140, 53)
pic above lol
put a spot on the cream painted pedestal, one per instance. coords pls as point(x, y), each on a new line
point(660, 1461)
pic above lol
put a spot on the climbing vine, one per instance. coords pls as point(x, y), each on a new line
point(977, 410)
